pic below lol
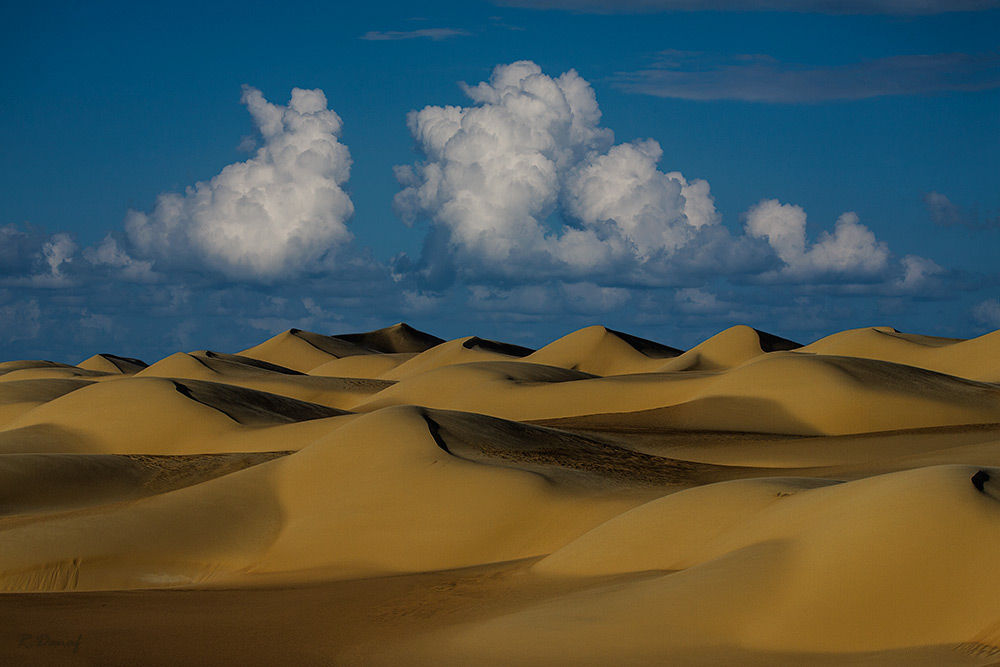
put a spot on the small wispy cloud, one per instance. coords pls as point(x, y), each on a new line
point(433, 34)
point(892, 7)
point(948, 214)
point(759, 78)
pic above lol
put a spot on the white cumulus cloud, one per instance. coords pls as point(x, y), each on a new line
point(526, 184)
point(268, 217)
point(851, 251)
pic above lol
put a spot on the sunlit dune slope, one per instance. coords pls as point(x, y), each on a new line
point(976, 358)
point(112, 363)
point(729, 348)
point(899, 560)
point(305, 350)
point(602, 351)
point(335, 392)
point(460, 351)
point(783, 392)
point(21, 396)
point(156, 416)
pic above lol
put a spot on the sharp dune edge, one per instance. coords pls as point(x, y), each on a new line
point(391, 498)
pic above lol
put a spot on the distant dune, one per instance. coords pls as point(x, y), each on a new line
point(392, 498)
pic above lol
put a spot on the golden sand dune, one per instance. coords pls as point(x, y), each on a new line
point(976, 359)
point(603, 351)
point(729, 348)
point(387, 498)
point(46, 370)
point(782, 392)
point(21, 396)
point(156, 416)
point(234, 370)
point(460, 351)
point(112, 363)
point(305, 350)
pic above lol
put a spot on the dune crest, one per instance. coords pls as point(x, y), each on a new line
point(390, 497)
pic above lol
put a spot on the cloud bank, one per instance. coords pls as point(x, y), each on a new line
point(759, 78)
point(534, 213)
point(850, 252)
point(896, 7)
point(526, 184)
point(269, 217)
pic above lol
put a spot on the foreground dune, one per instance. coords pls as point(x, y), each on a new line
point(387, 498)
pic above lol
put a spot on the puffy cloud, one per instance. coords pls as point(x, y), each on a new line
point(899, 7)
point(527, 185)
point(760, 78)
point(56, 252)
point(31, 258)
point(919, 274)
point(851, 252)
point(110, 254)
point(271, 216)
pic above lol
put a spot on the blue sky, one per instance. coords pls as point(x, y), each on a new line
point(513, 169)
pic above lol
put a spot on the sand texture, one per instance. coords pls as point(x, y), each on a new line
point(392, 498)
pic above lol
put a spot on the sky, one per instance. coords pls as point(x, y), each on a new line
point(183, 176)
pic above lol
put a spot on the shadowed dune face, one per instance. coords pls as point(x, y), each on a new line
point(399, 338)
point(388, 497)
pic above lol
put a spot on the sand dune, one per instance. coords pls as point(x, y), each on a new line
point(460, 351)
point(729, 348)
point(112, 363)
point(233, 370)
point(976, 359)
point(603, 351)
point(388, 497)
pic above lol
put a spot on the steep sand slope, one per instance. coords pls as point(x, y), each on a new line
point(21, 396)
point(399, 338)
point(976, 359)
point(112, 363)
point(368, 366)
point(602, 351)
point(369, 465)
point(156, 416)
point(460, 351)
point(303, 350)
point(729, 348)
point(883, 563)
point(334, 392)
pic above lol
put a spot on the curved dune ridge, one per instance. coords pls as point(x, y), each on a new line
point(389, 497)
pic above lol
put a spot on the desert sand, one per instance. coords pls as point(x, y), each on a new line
point(392, 498)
